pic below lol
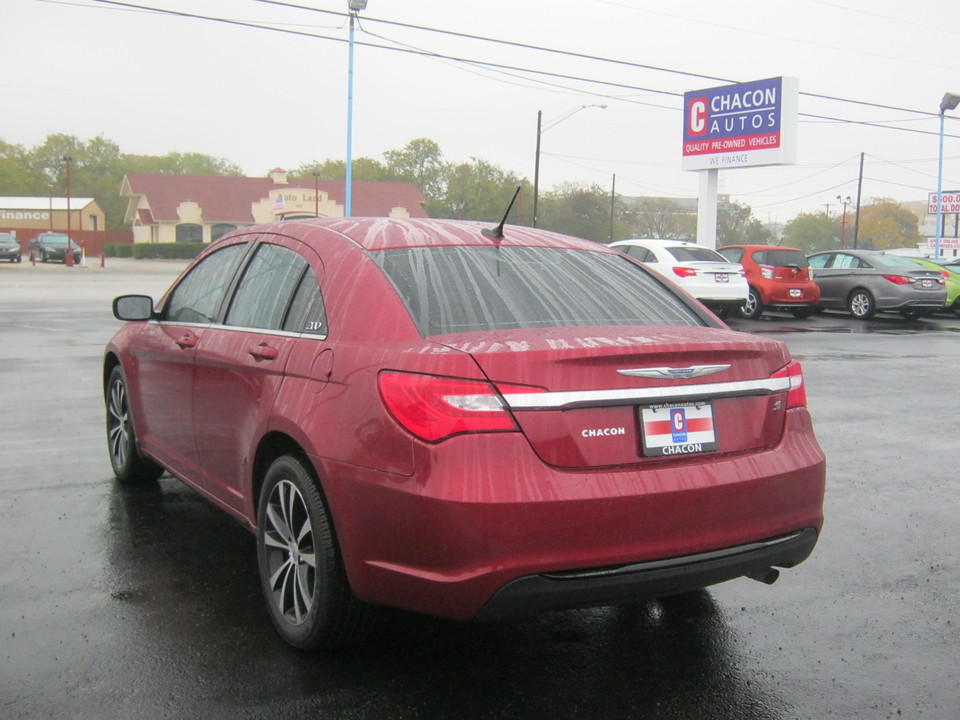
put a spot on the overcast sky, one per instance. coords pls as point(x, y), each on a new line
point(157, 83)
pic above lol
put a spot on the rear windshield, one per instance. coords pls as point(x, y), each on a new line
point(780, 258)
point(893, 261)
point(695, 254)
point(461, 289)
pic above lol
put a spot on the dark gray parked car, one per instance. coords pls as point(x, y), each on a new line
point(48, 246)
point(865, 282)
point(10, 248)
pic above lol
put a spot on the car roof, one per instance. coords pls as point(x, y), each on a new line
point(663, 242)
point(760, 247)
point(374, 234)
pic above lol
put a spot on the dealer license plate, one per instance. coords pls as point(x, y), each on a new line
point(926, 283)
point(683, 429)
point(721, 277)
point(796, 292)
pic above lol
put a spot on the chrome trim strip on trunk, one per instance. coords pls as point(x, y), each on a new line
point(644, 396)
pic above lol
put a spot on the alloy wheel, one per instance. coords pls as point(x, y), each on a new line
point(290, 553)
point(118, 424)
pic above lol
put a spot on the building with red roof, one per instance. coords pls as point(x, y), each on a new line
point(202, 208)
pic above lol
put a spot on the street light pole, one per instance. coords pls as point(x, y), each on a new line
point(949, 102)
point(68, 253)
point(536, 163)
point(355, 6)
point(536, 169)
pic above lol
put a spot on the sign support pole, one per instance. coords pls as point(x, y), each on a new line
point(707, 208)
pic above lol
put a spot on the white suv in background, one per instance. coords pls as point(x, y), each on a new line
point(704, 273)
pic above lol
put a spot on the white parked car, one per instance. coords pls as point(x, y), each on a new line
point(704, 273)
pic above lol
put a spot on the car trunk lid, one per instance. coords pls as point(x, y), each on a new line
point(618, 396)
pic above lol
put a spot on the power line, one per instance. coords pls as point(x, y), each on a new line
point(513, 68)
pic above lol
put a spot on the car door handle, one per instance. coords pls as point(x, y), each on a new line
point(186, 342)
point(264, 352)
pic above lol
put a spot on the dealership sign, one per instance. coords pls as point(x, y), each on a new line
point(742, 125)
point(949, 201)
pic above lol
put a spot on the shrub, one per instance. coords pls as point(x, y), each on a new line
point(167, 251)
point(120, 250)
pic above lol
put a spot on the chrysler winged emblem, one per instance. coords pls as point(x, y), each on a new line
point(675, 373)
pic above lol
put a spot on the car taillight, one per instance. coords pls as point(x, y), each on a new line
point(797, 393)
point(684, 272)
point(766, 272)
point(899, 279)
point(433, 408)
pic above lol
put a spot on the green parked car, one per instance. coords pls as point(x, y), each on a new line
point(950, 266)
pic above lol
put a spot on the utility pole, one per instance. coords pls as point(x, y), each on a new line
point(856, 222)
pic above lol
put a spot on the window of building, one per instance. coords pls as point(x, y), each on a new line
point(221, 229)
point(189, 232)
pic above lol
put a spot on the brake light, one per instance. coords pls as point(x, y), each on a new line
point(899, 279)
point(684, 272)
point(766, 272)
point(797, 392)
point(433, 408)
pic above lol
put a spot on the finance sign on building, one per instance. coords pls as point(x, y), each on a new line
point(742, 125)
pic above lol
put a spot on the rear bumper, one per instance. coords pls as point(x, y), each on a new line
point(488, 514)
point(638, 581)
point(802, 294)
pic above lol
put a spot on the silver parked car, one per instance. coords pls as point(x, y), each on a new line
point(865, 282)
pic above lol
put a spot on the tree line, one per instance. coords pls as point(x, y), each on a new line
point(472, 190)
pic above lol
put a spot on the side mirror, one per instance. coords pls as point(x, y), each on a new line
point(133, 307)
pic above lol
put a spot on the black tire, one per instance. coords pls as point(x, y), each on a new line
point(802, 313)
point(301, 571)
point(861, 304)
point(911, 314)
point(128, 464)
point(955, 308)
point(753, 307)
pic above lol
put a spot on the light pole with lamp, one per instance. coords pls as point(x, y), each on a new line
point(68, 253)
point(949, 102)
point(355, 7)
point(536, 164)
point(316, 193)
point(843, 222)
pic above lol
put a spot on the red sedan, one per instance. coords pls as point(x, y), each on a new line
point(429, 415)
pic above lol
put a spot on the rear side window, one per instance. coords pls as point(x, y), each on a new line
point(733, 254)
point(268, 284)
point(307, 313)
point(197, 298)
point(461, 289)
point(640, 253)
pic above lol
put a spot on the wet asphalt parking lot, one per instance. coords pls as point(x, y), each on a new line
point(122, 602)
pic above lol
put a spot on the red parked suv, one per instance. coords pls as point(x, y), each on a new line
point(779, 278)
point(464, 422)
